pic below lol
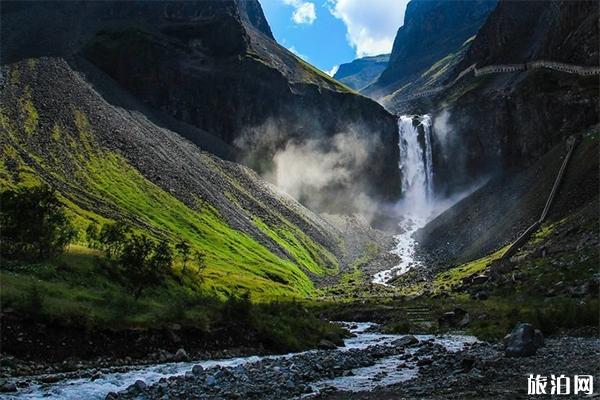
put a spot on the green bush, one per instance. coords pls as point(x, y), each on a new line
point(33, 224)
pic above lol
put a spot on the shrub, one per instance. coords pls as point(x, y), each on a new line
point(33, 224)
point(145, 263)
point(112, 237)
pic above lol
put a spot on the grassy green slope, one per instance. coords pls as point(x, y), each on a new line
point(99, 184)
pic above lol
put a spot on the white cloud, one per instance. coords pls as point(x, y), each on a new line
point(296, 52)
point(333, 70)
point(371, 26)
point(304, 11)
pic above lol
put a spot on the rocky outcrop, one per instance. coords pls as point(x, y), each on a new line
point(215, 68)
point(362, 71)
point(431, 31)
point(523, 341)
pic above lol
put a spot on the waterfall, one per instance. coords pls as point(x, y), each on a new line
point(416, 167)
point(416, 163)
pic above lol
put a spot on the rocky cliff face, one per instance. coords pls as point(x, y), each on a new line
point(519, 31)
point(362, 72)
point(211, 71)
point(511, 119)
point(506, 124)
point(431, 30)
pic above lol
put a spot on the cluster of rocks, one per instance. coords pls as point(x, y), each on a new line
point(483, 371)
point(11, 366)
point(282, 377)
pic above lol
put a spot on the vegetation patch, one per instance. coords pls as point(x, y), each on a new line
point(454, 276)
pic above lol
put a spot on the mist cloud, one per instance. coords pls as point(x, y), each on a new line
point(324, 173)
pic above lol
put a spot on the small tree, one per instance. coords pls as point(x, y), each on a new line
point(33, 224)
point(183, 250)
point(145, 263)
point(162, 258)
point(112, 238)
point(92, 235)
point(200, 259)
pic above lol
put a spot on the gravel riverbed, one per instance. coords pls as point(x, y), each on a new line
point(369, 359)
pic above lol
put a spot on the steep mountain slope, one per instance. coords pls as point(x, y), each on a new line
point(431, 31)
point(551, 30)
point(113, 163)
point(214, 66)
point(505, 120)
point(502, 209)
point(513, 125)
point(362, 71)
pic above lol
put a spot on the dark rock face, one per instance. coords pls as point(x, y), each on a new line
point(498, 212)
point(508, 120)
point(431, 30)
point(214, 66)
point(523, 341)
point(519, 31)
point(362, 71)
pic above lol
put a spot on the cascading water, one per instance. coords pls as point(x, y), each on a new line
point(416, 163)
point(416, 166)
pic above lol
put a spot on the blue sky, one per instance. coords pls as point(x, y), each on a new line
point(328, 33)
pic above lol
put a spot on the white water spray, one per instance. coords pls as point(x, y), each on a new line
point(416, 167)
point(416, 163)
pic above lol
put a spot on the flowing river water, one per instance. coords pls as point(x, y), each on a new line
point(383, 372)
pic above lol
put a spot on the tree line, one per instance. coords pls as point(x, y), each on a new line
point(34, 227)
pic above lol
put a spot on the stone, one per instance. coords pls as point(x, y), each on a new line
point(406, 341)
point(334, 338)
point(538, 338)
point(181, 355)
point(211, 380)
point(467, 363)
point(136, 387)
point(197, 369)
point(325, 344)
point(111, 396)
point(424, 361)
point(8, 387)
point(457, 317)
point(479, 279)
point(96, 375)
point(522, 341)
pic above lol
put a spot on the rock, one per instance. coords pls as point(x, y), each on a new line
point(538, 338)
point(406, 341)
point(111, 396)
point(211, 380)
point(96, 375)
point(424, 361)
point(8, 387)
point(457, 317)
point(181, 355)
point(479, 279)
point(522, 341)
point(467, 363)
point(325, 344)
point(197, 369)
point(138, 386)
point(334, 338)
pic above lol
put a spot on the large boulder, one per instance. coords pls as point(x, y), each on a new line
point(456, 318)
point(325, 344)
point(523, 341)
point(406, 341)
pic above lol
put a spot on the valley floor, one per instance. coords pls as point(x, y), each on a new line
point(492, 375)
